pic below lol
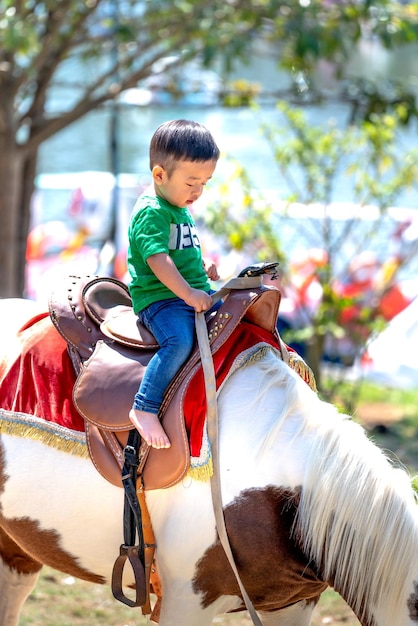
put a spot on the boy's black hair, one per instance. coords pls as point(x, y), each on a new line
point(181, 140)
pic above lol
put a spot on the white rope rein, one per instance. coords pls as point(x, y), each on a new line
point(213, 429)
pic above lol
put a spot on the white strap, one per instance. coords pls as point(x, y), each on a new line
point(212, 425)
point(245, 282)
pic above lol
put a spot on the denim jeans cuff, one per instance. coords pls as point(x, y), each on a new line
point(139, 405)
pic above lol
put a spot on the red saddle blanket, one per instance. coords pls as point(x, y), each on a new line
point(37, 376)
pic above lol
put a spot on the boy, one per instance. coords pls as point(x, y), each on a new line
point(169, 280)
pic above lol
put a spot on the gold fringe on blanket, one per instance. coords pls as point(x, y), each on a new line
point(51, 434)
point(201, 473)
point(258, 351)
point(300, 367)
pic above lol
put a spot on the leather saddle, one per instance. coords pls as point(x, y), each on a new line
point(110, 350)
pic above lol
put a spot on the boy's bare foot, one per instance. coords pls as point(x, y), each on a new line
point(150, 429)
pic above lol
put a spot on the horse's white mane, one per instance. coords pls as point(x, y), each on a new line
point(357, 518)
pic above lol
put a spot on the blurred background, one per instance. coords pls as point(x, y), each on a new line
point(314, 106)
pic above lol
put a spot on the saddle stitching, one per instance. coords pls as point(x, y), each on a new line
point(92, 455)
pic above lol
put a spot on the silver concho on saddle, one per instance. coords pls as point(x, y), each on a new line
point(110, 350)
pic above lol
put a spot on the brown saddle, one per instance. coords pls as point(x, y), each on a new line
point(110, 350)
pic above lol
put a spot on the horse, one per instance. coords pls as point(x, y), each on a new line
point(309, 502)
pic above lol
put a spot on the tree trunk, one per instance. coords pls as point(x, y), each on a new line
point(17, 177)
point(10, 227)
point(17, 181)
point(27, 187)
point(314, 353)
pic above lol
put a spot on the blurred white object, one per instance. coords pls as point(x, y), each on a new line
point(393, 355)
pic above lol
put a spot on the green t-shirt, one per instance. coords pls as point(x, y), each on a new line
point(157, 226)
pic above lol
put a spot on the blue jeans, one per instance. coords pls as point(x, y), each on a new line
point(172, 322)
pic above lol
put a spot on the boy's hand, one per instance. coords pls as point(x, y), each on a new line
point(211, 269)
point(199, 300)
point(165, 270)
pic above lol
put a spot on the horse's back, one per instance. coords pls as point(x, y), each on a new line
point(16, 312)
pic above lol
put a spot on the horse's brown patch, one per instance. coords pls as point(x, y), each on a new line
point(39, 547)
point(15, 558)
point(413, 604)
point(272, 567)
point(25, 547)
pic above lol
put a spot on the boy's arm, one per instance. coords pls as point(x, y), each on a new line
point(165, 270)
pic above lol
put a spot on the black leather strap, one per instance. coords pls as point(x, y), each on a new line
point(132, 516)
point(132, 528)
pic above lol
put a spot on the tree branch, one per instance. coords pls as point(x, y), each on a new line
point(55, 48)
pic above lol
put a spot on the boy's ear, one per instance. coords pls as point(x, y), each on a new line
point(158, 173)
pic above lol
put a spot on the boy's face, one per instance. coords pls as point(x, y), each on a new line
point(186, 182)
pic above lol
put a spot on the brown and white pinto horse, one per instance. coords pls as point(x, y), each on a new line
point(309, 502)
